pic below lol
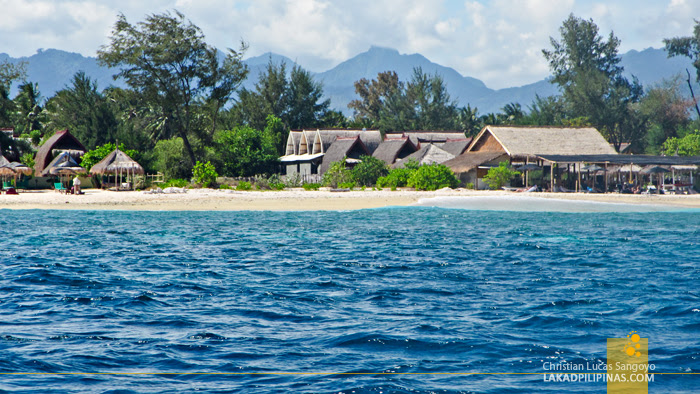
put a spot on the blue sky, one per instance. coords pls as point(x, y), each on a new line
point(497, 41)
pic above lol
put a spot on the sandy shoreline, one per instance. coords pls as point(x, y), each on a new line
point(291, 200)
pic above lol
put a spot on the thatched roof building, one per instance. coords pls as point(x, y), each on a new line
point(324, 138)
point(350, 148)
point(394, 149)
point(61, 141)
point(117, 162)
point(293, 143)
point(528, 142)
point(427, 136)
point(427, 154)
point(456, 147)
point(63, 160)
point(472, 160)
point(3, 161)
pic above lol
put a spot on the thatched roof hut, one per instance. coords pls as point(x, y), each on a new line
point(63, 161)
point(61, 141)
point(306, 142)
point(522, 142)
point(427, 154)
point(370, 138)
point(350, 148)
point(117, 162)
point(394, 149)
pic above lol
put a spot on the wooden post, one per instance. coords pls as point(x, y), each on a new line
point(578, 185)
point(551, 176)
point(605, 173)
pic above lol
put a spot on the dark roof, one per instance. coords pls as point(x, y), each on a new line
point(427, 154)
point(430, 136)
point(61, 140)
point(64, 160)
point(370, 138)
point(340, 148)
point(456, 147)
point(389, 150)
point(115, 162)
point(470, 160)
point(623, 159)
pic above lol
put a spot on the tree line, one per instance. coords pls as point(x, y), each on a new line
point(184, 102)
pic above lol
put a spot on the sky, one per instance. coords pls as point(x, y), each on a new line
point(499, 41)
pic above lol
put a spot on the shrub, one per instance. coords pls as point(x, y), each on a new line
point(346, 185)
point(170, 158)
point(244, 186)
point(176, 182)
point(470, 185)
point(245, 151)
point(337, 174)
point(225, 187)
point(293, 180)
point(311, 186)
point(275, 182)
point(432, 177)
point(397, 177)
point(204, 174)
point(498, 176)
point(369, 170)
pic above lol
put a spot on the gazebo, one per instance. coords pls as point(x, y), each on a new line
point(118, 164)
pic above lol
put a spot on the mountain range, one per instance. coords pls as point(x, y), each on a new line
point(53, 70)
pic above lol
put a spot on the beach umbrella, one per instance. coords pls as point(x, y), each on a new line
point(655, 170)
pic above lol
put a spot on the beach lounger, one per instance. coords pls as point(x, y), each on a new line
point(58, 186)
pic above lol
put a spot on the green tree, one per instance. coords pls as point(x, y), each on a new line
point(28, 108)
point(369, 170)
point(83, 110)
point(170, 158)
point(268, 98)
point(587, 69)
point(94, 156)
point(546, 111)
point(245, 151)
point(305, 106)
point(688, 46)
point(166, 59)
point(666, 111)
point(688, 145)
point(496, 177)
point(374, 94)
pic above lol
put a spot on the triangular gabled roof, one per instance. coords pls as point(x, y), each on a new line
point(350, 147)
point(390, 149)
point(61, 140)
point(532, 141)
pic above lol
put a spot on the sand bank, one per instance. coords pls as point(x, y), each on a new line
point(294, 200)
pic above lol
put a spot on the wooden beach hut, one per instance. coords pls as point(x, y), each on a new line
point(472, 166)
point(393, 149)
point(120, 165)
point(349, 148)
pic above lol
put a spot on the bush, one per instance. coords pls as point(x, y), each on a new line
point(204, 174)
point(498, 176)
point(244, 186)
point(470, 185)
point(293, 180)
point(170, 158)
point(432, 177)
point(346, 185)
point(337, 174)
point(397, 177)
point(244, 151)
point(225, 187)
point(175, 182)
point(369, 170)
point(311, 186)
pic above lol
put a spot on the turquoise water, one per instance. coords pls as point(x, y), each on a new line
point(352, 294)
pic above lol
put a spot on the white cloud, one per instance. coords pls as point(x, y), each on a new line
point(498, 41)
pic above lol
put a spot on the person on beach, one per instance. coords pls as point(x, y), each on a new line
point(76, 185)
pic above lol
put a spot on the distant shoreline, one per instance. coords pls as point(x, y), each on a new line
point(293, 200)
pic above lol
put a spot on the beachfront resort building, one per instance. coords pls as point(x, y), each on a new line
point(62, 141)
point(524, 145)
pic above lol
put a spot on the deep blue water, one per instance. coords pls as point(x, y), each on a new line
point(387, 290)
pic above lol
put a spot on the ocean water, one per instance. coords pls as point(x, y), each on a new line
point(331, 302)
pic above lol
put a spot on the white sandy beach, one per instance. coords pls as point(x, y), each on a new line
point(296, 200)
